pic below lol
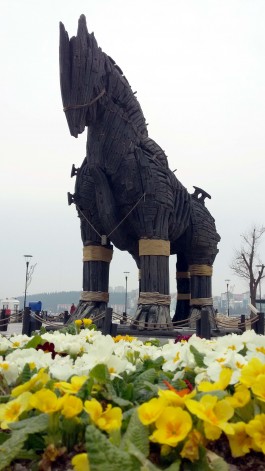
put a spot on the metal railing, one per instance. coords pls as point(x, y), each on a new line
point(113, 323)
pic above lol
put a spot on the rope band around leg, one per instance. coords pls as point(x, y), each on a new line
point(201, 270)
point(201, 302)
point(97, 253)
point(154, 298)
point(154, 247)
point(183, 274)
point(97, 296)
point(183, 297)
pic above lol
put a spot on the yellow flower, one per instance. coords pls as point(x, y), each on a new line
point(149, 412)
point(80, 462)
point(191, 446)
point(214, 414)
point(11, 411)
point(36, 382)
point(258, 387)
point(78, 322)
point(250, 373)
point(222, 383)
point(87, 322)
point(176, 398)
point(72, 406)
point(127, 338)
point(256, 429)
point(240, 443)
point(240, 397)
point(172, 426)
point(73, 387)
point(46, 401)
point(108, 420)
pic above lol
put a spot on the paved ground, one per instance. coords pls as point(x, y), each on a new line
point(13, 328)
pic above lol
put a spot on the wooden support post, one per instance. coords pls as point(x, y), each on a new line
point(243, 321)
point(3, 321)
point(203, 327)
point(124, 318)
point(259, 325)
point(26, 322)
point(114, 330)
point(37, 322)
point(106, 328)
point(66, 317)
point(198, 327)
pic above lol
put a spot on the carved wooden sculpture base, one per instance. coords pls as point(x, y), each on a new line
point(150, 316)
point(89, 309)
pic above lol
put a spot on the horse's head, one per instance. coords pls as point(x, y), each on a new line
point(81, 77)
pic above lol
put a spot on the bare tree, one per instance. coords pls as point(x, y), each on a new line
point(246, 262)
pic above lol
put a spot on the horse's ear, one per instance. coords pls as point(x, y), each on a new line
point(82, 27)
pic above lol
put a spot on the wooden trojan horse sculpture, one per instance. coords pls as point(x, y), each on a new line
point(126, 195)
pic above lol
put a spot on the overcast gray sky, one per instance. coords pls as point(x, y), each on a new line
point(199, 71)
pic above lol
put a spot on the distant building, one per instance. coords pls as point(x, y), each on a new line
point(11, 304)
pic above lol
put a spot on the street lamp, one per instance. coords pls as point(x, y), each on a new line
point(227, 294)
point(260, 271)
point(27, 258)
point(126, 278)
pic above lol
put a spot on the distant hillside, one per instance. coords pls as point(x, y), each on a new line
point(50, 301)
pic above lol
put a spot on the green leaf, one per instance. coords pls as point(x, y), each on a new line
point(11, 448)
point(208, 461)
point(149, 375)
point(216, 462)
point(3, 437)
point(218, 393)
point(174, 466)
point(105, 456)
point(198, 356)
point(35, 442)
point(137, 434)
point(120, 401)
point(25, 375)
point(4, 399)
point(34, 341)
point(146, 464)
point(32, 425)
point(85, 390)
point(100, 373)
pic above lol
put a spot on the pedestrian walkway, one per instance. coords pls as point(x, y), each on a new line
point(13, 328)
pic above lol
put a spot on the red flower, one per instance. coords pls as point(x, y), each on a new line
point(47, 347)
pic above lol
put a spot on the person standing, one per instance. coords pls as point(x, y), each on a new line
point(72, 309)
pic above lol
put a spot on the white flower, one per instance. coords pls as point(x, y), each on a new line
point(62, 368)
point(4, 344)
point(9, 371)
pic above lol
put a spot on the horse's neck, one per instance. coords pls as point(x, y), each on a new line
point(115, 133)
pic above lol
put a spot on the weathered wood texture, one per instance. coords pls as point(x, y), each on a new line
point(124, 188)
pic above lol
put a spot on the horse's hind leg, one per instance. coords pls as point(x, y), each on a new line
point(183, 289)
point(202, 255)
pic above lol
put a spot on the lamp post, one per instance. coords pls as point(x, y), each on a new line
point(126, 278)
point(27, 258)
point(260, 266)
point(227, 294)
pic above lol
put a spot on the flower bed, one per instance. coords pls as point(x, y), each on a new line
point(76, 399)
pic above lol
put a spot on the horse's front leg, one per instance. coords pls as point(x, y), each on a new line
point(97, 250)
point(153, 310)
point(95, 295)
